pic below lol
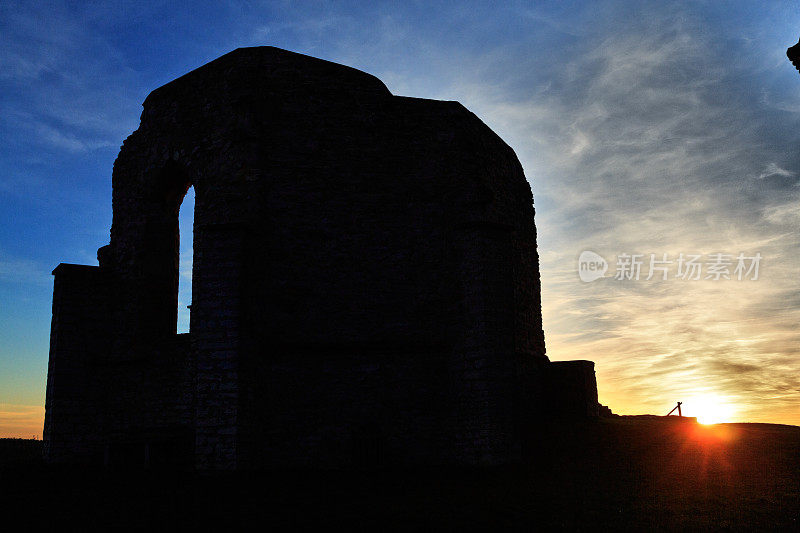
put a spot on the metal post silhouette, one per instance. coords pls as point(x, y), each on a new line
point(678, 407)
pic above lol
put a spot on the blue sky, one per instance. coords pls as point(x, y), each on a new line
point(643, 127)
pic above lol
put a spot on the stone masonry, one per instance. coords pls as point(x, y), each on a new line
point(365, 285)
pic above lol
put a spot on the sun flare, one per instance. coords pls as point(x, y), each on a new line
point(710, 409)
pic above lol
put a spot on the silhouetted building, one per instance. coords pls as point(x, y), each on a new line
point(365, 284)
point(793, 53)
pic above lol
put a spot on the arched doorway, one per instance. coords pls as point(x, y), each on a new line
point(186, 254)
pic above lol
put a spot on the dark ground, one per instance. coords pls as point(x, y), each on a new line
point(622, 473)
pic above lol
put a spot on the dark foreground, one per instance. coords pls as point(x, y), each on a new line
point(626, 473)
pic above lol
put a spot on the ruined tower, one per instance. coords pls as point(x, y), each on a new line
point(365, 284)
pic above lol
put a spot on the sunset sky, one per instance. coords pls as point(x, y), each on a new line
point(644, 128)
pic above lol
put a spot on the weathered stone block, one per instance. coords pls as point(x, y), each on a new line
point(572, 390)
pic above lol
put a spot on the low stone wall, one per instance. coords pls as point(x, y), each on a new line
point(572, 389)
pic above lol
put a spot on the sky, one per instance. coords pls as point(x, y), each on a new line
point(643, 127)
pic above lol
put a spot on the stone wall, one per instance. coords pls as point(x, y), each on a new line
point(78, 342)
point(572, 390)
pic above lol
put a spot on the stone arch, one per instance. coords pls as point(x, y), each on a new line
point(161, 253)
point(146, 248)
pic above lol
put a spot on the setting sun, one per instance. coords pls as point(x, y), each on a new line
point(709, 409)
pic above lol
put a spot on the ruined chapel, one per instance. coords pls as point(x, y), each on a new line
point(365, 285)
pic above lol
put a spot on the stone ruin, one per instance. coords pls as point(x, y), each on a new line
point(365, 285)
point(793, 53)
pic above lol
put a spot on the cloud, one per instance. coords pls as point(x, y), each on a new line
point(23, 271)
point(642, 131)
point(72, 84)
point(774, 170)
point(63, 139)
point(643, 143)
point(784, 214)
point(646, 128)
point(21, 421)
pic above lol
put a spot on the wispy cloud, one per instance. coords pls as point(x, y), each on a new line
point(774, 170)
point(66, 78)
point(644, 133)
point(644, 128)
point(21, 421)
point(652, 151)
point(23, 271)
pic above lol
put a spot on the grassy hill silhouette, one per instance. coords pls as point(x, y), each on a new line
point(616, 473)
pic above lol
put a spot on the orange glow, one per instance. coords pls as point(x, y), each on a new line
point(709, 409)
point(21, 421)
